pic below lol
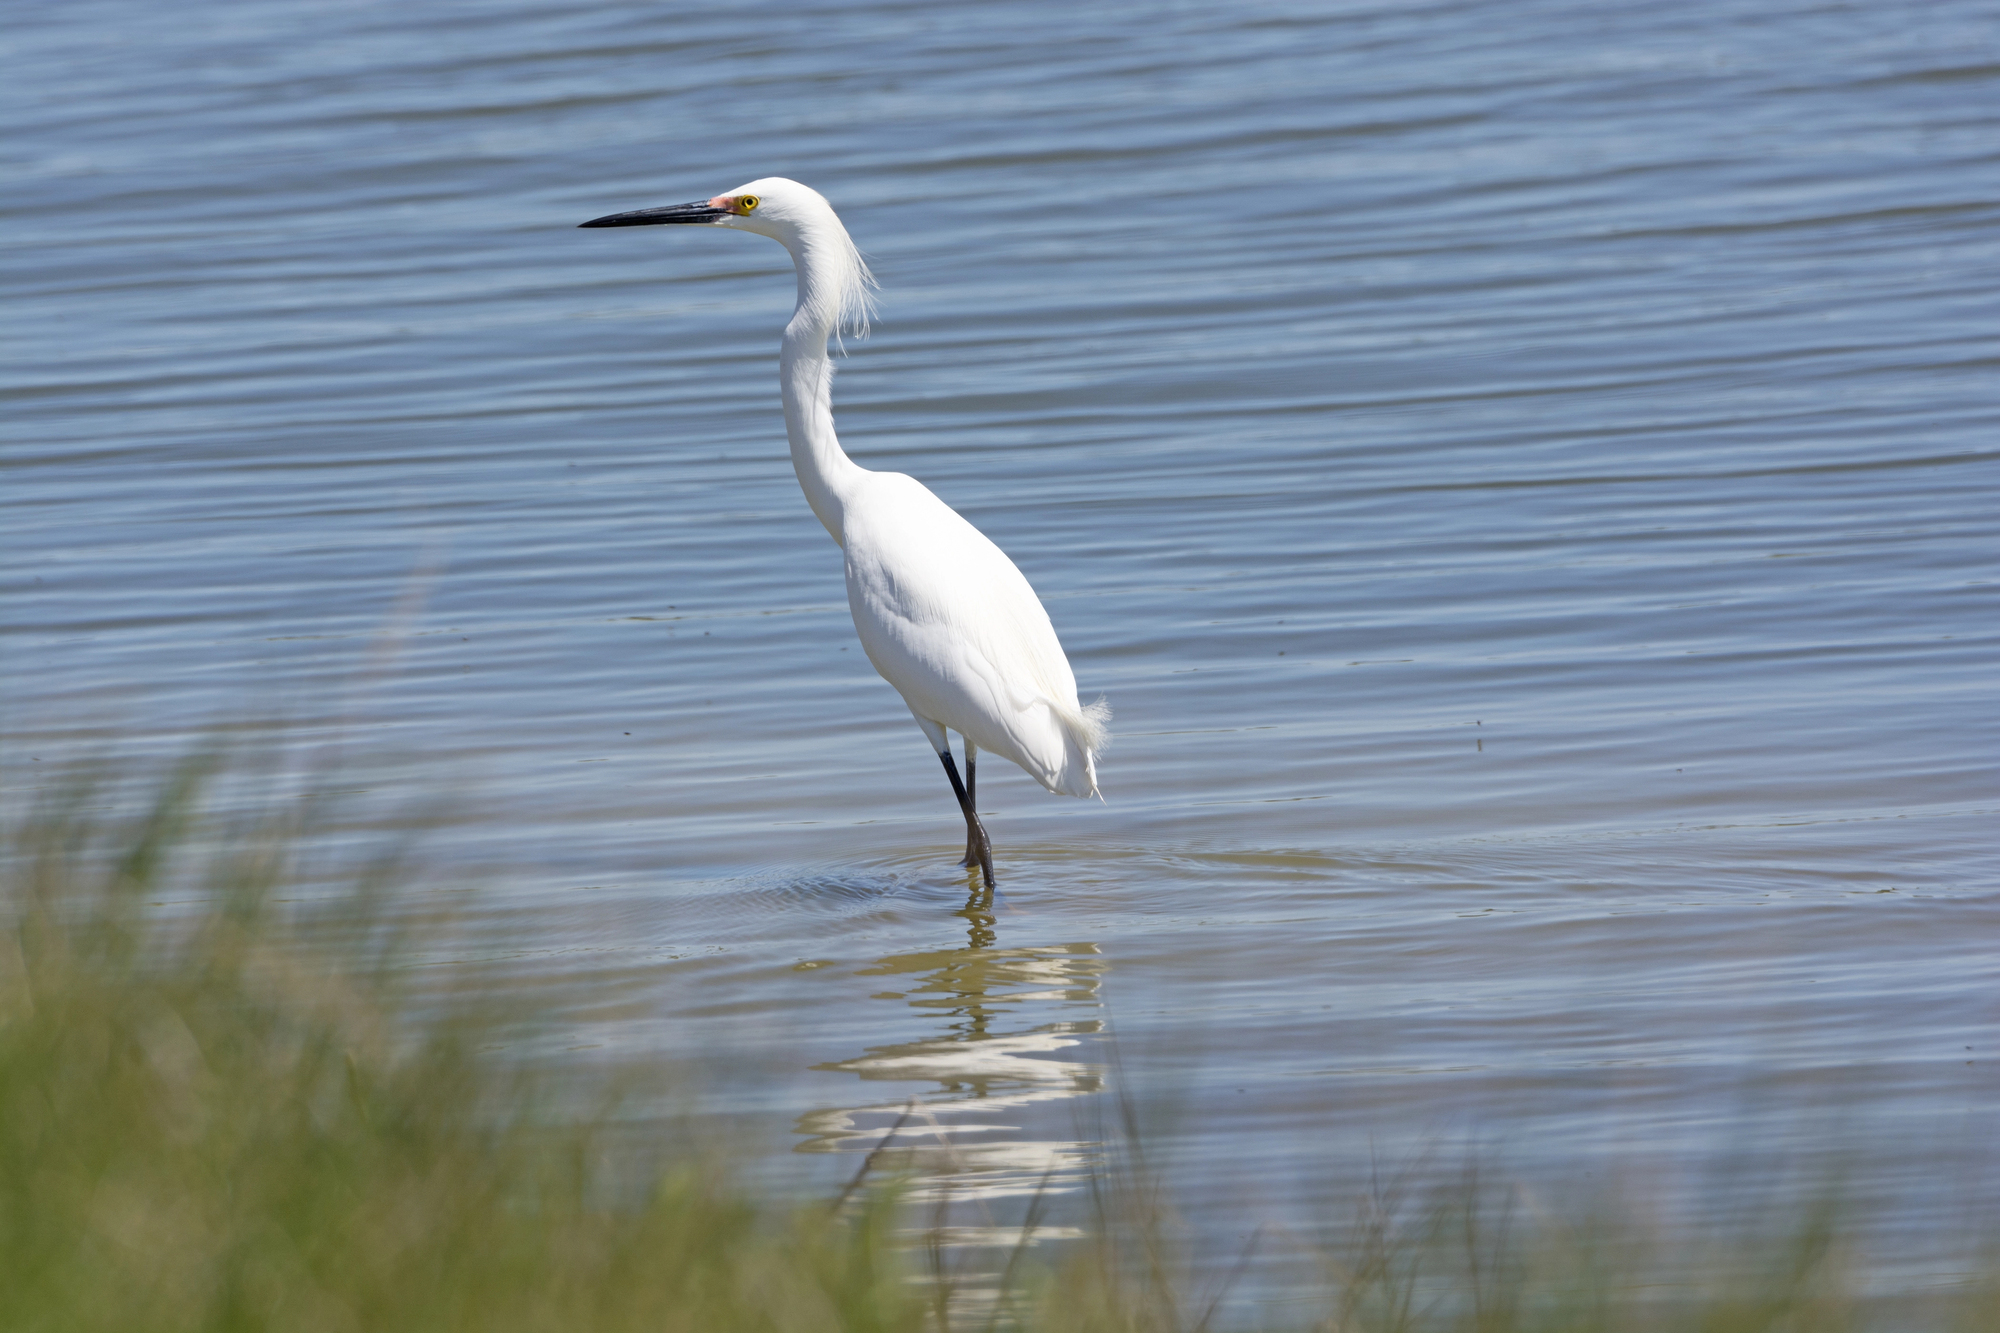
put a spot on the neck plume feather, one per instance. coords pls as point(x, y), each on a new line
point(836, 290)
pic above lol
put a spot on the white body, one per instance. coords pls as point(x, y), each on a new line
point(950, 622)
point(942, 612)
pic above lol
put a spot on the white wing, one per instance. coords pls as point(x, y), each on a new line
point(950, 622)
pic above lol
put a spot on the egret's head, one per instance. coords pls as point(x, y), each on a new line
point(775, 207)
point(788, 212)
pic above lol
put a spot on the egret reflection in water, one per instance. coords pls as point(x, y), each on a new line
point(1008, 1028)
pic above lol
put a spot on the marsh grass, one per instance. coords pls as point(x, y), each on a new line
point(227, 1104)
point(222, 1111)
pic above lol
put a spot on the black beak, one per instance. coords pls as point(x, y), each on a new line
point(699, 211)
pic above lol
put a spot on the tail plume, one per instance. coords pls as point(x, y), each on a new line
point(1092, 727)
point(1088, 736)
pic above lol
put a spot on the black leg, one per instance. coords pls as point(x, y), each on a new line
point(975, 832)
point(971, 799)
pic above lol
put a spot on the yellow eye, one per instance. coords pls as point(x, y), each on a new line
point(748, 202)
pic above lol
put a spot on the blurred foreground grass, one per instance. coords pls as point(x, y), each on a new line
point(224, 1110)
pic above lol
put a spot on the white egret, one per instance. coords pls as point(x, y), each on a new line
point(942, 612)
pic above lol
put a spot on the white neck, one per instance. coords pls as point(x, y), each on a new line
point(826, 474)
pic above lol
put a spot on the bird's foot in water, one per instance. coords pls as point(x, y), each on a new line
point(978, 848)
